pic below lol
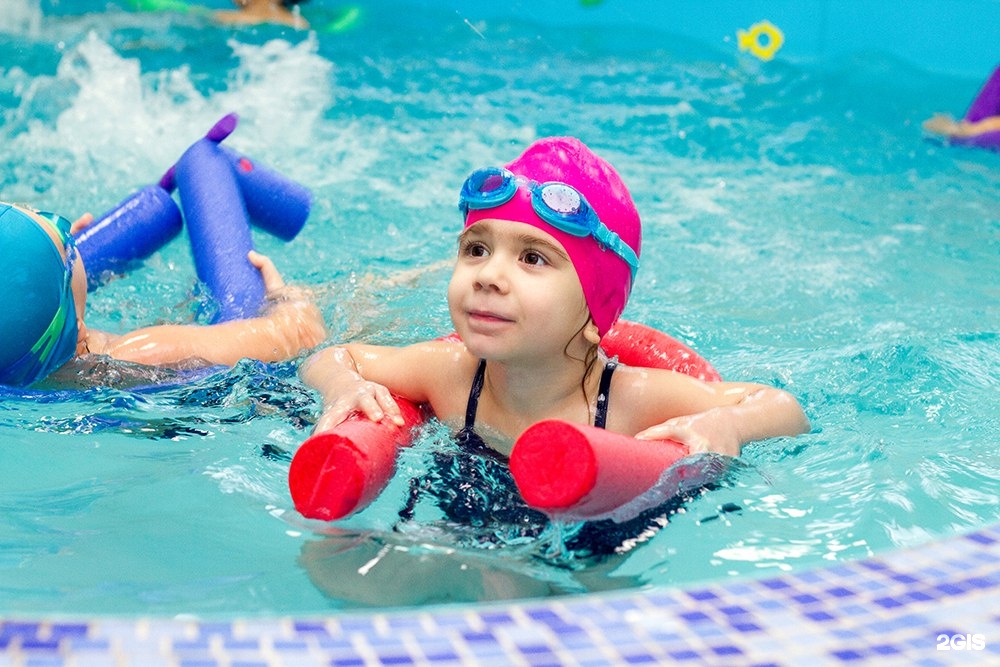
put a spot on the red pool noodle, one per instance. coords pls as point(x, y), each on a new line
point(639, 345)
point(340, 471)
point(585, 472)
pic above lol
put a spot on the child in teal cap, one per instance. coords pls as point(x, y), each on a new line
point(42, 323)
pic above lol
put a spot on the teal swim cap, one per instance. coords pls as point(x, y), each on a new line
point(38, 327)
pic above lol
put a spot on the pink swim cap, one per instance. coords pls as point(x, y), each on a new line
point(605, 277)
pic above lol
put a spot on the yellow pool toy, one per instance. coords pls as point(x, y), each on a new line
point(763, 39)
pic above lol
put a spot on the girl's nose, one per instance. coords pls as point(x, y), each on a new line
point(492, 274)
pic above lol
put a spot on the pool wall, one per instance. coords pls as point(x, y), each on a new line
point(928, 606)
point(954, 36)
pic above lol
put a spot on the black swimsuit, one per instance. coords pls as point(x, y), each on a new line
point(475, 487)
point(468, 438)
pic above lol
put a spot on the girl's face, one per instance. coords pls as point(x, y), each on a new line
point(514, 294)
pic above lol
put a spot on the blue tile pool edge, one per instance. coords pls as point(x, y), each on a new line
point(932, 604)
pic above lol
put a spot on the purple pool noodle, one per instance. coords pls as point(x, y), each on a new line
point(219, 229)
point(168, 181)
point(987, 102)
point(276, 204)
point(222, 128)
point(130, 232)
point(989, 140)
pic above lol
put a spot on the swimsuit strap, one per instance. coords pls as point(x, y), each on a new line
point(477, 387)
point(600, 412)
point(604, 394)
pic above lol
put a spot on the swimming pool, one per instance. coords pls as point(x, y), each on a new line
point(800, 231)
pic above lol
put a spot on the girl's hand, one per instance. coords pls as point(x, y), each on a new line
point(710, 431)
point(367, 398)
point(293, 309)
point(81, 223)
point(273, 282)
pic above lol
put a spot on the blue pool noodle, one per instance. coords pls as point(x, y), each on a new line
point(218, 225)
point(276, 204)
point(148, 219)
point(130, 232)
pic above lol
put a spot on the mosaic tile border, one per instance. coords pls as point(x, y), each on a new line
point(933, 605)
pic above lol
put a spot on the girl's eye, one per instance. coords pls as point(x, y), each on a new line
point(474, 249)
point(533, 258)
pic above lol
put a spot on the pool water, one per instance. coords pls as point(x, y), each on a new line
point(799, 231)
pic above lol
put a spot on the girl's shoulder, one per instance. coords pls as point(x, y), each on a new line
point(647, 396)
point(638, 379)
point(441, 350)
point(446, 360)
point(448, 369)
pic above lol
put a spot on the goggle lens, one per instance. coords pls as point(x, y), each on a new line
point(492, 183)
point(561, 198)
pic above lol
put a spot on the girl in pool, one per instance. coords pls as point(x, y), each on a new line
point(253, 12)
point(43, 328)
point(545, 266)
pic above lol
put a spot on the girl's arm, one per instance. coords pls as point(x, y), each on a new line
point(363, 378)
point(291, 325)
point(724, 416)
point(335, 374)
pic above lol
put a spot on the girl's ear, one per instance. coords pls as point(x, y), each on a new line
point(590, 333)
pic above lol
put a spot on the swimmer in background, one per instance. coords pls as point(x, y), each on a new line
point(42, 323)
point(253, 12)
point(982, 117)
point(946, 126)
point(545, 266)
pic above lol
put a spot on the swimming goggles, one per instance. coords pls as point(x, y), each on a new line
point(559, 204)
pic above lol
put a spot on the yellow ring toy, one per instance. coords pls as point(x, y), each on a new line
point(751, 40)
